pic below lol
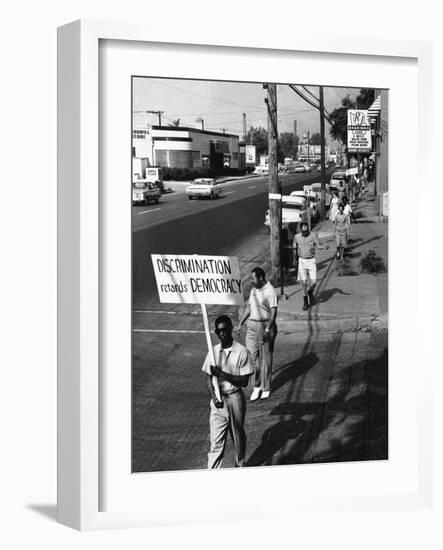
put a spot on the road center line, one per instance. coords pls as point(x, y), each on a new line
point(228, 192)
point(162, 312)
point(169, 331)
point(146, 211)
point(252, 187)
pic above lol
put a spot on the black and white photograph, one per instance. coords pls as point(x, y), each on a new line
point(259, 274)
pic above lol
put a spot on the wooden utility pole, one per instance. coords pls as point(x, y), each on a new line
point(309, 137)
point(274, 195)
point(322, 154)
point(244, 127)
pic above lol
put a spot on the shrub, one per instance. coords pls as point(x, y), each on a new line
point(371, 263)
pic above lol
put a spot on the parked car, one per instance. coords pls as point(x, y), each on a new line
point(337, 182)
point(300, 168)
point(314, 203)
point(204, 188)
point(316, 190)
point(144, 191)
point(292, 208)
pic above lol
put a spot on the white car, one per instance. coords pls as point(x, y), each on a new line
point(261, 171)
point(300, 168)
point(314, 202)
point(308, 168)
point(316, 190)
point(337, 182)
point(292, 209)
point(204, 188)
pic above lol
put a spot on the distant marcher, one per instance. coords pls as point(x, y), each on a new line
point(333, 206)
point(348, 210)
point(365, 175)
point(357, 188)
point(341, 224)
point(304, 247)
point(360, 182)
point(261, 313)
point(347, 187)
point(233, 369)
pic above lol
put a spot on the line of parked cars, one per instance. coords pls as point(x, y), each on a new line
point(294, 204)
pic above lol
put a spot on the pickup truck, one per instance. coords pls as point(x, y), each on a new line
point(204, 188)
point(144, 191)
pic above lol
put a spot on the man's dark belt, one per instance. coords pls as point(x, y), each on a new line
point(259, 320)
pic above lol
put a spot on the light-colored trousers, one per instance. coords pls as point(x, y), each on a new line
point(230, 418)
point(261, 352)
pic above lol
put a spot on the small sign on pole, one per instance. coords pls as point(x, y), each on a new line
point(352, 171)
point(194, 279)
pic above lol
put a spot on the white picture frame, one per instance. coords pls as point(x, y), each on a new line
point(79, 271)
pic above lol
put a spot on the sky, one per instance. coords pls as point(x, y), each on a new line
point(222, 104)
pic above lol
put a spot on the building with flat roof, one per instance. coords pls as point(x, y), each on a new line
point(180, 147)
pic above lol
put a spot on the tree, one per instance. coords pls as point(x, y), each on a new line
point(339, 116)
point(288, 145)
point(259, 138)
point(175, 123)
point(315, 139)
point(365, 98)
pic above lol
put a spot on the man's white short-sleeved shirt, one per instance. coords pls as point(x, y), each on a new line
point(236, 361)
point(261, 301)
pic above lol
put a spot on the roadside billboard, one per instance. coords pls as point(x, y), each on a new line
point(251, 157)
point(359, 131)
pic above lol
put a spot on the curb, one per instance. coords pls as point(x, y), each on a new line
point(301, 322)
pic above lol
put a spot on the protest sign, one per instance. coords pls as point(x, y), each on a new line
point(194, 279)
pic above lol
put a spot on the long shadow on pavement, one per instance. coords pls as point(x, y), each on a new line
point(326, 295)
point(352, 425)
point(293, 370)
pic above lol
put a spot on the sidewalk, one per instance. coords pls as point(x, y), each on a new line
point(329, 400)
point(346, 297)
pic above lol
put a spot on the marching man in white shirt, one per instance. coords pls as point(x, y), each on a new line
point(261, 313)
point(233, 369)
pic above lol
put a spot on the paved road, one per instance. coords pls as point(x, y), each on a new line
point(177, 204)
point(180, 226)
point(329, 400)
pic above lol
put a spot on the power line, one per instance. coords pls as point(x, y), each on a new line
point(203, 96)
point(297, 91)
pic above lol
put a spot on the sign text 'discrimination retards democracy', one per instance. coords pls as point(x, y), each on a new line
point(193, 279)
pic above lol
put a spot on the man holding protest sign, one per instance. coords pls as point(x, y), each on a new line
point(233, 369)
point(261, 313)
